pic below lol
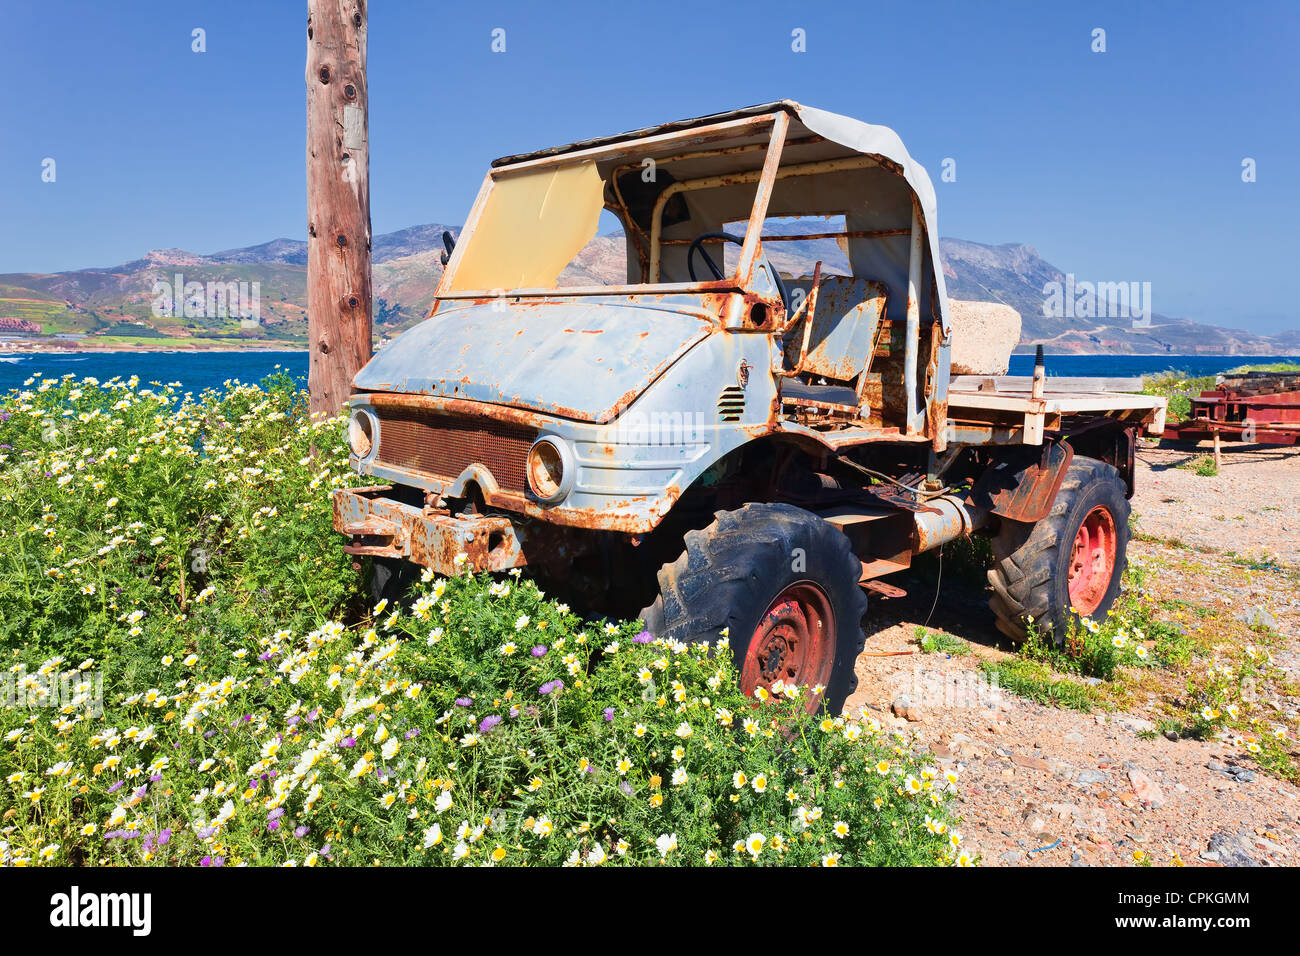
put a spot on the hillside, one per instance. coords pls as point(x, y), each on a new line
point(114, 306)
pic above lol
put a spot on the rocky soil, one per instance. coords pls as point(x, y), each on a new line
point(1042, 786)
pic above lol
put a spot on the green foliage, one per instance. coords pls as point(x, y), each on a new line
point(1127, 637)
point(483, 724)
point(932, 642)
point(1265, 367)
point(206, 516)
point(1124, 638)
point(1035, 681)
point(1203, 466)
point(1223, 700)
point(1178, 388)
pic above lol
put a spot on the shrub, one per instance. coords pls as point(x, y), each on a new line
point(120, 501)
point(484, 724)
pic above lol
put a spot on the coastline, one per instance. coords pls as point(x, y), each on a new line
point(131, 350)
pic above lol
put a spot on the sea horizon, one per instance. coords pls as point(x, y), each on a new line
point(208, 368)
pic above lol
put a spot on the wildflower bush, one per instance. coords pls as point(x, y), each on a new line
point(1230, 708)
point(1092, 652)
point(124, 508)
point(254, 713)
point(1127, 636)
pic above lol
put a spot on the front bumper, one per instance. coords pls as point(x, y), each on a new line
point(380, 526)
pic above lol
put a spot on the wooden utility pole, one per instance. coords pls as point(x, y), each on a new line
point(339, 318)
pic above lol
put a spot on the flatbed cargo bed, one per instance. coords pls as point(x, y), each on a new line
point(975, 407)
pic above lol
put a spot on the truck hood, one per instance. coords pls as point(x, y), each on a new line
point(586, 359)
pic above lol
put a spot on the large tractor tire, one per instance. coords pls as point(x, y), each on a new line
point(1068, 565)
point(784, 583)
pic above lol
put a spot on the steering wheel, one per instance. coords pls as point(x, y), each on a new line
point(697, 245)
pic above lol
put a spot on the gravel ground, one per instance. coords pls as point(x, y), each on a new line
point(1041, 786)
point(1249, 507)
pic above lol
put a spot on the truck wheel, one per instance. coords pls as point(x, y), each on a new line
point(1069, 564)
point(784, 583)
point(390, 579)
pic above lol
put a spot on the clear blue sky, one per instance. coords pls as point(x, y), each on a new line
point(1116, 166)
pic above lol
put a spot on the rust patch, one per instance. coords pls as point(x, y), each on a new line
point(1023, 485)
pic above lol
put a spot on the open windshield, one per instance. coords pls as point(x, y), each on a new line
point(621, 219)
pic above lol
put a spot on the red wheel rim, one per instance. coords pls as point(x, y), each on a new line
point(794, 642)
point(1092, 561)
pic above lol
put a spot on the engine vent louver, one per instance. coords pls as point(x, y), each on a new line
point(731, 404)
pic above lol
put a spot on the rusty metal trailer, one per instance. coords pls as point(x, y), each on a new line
point(715, 443)
point(1257, 407)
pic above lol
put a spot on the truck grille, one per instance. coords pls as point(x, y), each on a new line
point(445, 445)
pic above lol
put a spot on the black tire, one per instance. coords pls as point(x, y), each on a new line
point(390, 579)
point(1030, 573)
point(732, 571)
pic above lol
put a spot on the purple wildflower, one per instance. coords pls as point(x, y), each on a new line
point(300, 832)
point(348, 742)
point(552, 685)
point(116, 787)
point(463, 701)
point(645, 637)
point(276, 814)
point(609, 714)
point(488, 723)
point(539, 650)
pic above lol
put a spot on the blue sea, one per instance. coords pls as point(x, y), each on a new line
point(199, 370)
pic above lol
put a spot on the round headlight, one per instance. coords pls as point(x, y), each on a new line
point(550, 474)
point(361, 433)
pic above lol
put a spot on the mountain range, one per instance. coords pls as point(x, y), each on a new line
point(116, 306)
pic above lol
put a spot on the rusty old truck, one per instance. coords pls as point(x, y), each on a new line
point(674, 417)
